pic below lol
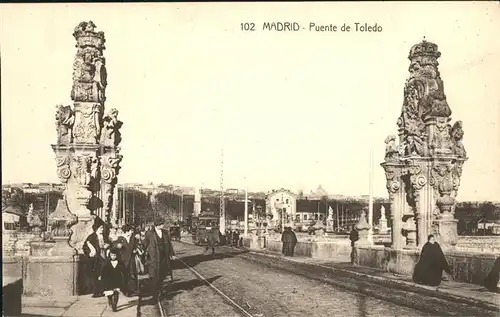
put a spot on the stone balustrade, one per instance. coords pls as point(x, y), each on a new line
point(467, 266)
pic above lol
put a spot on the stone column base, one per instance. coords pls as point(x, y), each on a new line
point(446, 232)
point(54, 276)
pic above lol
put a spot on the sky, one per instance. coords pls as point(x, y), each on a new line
point(290, 109)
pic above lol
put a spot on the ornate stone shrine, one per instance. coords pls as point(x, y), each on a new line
point(423, 171)
point(87, 151)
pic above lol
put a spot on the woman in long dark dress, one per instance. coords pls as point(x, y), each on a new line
point(432, 262)
point(491, 281)
point(126, 244)
point(95, 248)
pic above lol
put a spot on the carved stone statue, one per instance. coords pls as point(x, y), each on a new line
point(110, 135)
point(64, 123)
point(457, 134)
point(33, 219)
point(391, 149)
point(441, 141)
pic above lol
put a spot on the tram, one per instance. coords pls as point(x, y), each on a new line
point(206, 219)
point(175, 232)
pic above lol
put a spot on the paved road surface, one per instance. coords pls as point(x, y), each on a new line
point(244, 284)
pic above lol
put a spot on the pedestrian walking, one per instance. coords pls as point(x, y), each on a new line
point(126, 244)
point(212, 237)
point(429, 268)
point(112, 277)
point(491, 280)
point(289, 240)
point(236, 238)
point(354, 236)
point(159, 253)
point(94, 249)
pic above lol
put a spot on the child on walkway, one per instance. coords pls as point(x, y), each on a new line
point(112, 277)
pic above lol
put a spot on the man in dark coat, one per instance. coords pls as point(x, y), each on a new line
point(159, 253)
point(353, 236)
point(94, 249)
point(289, 240)
point(126, 244)
point(212, 237)
point(430, 266)
point(236, 238)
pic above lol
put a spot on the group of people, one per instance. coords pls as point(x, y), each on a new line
point(233, 237)
point(115, 264)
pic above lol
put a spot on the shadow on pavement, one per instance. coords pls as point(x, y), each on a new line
point(147, 302)
point(176, 288)
point(193, 260)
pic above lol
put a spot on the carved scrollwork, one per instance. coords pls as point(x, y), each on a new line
point(393, 186)
point(392, 174)
point(109, 168)
point(63, 168)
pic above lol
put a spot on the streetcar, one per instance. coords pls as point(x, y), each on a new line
point(175, 232)
point(205, 219)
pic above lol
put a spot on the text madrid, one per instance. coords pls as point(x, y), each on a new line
point(313, 27)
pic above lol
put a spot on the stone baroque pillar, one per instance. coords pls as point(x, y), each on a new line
point(430, 155)
point(397, 199)
point(87, 152)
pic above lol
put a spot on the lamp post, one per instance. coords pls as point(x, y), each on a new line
point(245, 233)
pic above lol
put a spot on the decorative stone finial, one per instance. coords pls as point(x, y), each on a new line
point(424, 49)
point(362, 224)
point(61, 219)
point(85, 35)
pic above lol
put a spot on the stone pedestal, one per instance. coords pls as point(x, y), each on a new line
point(329, 225)
point(446, 232)
point(363, 229)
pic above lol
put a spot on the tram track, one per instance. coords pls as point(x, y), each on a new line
point(240, 310)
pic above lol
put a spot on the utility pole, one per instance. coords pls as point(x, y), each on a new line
point(246, 209)
point(222, 210)
point(370, 202)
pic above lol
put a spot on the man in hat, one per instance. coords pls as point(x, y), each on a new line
point(159, 252)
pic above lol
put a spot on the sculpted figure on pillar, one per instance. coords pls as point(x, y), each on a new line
point(65, 119)
point(456, 135)
point(391, 148)
point(111, 135)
